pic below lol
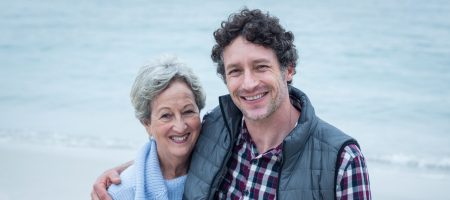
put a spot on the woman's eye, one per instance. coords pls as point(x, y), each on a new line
point(189, 112)
point(165, 116)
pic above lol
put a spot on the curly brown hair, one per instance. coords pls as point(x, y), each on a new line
point(259, 28)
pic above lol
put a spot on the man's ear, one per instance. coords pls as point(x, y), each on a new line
point(290, 71)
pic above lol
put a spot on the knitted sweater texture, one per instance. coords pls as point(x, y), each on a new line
point(144, 180)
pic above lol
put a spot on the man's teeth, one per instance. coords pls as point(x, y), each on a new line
point(179, 138)
point(254, 97)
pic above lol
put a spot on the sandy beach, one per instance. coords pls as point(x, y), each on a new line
point(401, 182)
point(35, 171)
point(30, 171)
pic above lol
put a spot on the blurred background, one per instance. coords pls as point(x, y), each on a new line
point(378, 70)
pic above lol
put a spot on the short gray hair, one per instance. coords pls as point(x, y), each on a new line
point(153, 78)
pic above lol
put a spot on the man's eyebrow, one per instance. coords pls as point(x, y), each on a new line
point(261, 60)
point(232, 66)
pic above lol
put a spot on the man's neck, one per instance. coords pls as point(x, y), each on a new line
point(270, 132)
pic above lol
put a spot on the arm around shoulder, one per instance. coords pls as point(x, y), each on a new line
point(107, 179)
point(126, 189)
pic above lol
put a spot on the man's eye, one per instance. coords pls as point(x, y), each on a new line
point(262, 67)
point(234, 72)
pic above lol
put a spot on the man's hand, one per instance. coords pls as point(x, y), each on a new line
point(101, 185)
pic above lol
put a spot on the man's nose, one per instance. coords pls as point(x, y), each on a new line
point(250, 81)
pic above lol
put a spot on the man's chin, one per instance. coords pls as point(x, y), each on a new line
point(255, 116)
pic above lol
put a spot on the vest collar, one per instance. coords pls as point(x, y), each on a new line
point(299, 135)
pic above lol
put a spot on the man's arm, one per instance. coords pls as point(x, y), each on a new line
point(112, 176)
point(352, 181)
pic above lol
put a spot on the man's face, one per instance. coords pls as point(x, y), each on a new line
point(254, 79)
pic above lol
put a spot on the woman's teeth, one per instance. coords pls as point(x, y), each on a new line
point(179, 138)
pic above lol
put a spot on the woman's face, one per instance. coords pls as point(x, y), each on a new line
point(175, 121)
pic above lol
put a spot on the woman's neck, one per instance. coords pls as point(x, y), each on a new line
point(173, 168)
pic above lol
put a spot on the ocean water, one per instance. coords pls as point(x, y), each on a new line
point(378, 70)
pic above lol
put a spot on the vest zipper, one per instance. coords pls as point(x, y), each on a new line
point(218, 179)
point(279, 172)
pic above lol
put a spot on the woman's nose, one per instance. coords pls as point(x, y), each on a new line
point(179, 125)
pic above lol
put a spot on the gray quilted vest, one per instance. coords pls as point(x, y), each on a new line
point(310, 153)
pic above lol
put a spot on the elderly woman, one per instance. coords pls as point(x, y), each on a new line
point(167, 99)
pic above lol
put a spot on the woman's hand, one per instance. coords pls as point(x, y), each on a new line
point(109, 177)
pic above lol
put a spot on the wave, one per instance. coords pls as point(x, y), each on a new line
point(411, 160)
point(441, 163)
point(58, 139)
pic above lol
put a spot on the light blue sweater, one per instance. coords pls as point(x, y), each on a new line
point(144, 180)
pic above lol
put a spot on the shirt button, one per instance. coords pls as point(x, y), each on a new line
point(246, 192)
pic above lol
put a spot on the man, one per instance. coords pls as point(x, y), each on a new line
point(264, 140)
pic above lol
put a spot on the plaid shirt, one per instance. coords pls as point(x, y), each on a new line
point(250, 175)
point(353, 177)
point(255, 176)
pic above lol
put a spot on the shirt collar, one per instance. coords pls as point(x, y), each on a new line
point(244, 137)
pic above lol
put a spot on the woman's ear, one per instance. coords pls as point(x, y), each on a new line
point(147, 126)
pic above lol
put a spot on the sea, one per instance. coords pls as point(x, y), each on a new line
point(378, 70)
